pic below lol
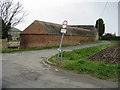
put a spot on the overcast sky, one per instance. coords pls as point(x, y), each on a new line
point(76, 12)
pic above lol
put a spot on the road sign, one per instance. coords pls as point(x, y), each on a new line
point(59, 50)
point(63, 31)
point(64, 24)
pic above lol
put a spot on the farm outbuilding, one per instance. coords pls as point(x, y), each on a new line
point(40, 34)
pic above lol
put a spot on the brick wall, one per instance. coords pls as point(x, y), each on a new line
point(34, 28)
point(28, 41)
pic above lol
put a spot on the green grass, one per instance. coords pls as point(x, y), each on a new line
point(76, 60)
point(10, 50)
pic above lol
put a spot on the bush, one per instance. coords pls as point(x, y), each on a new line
point(109, 38)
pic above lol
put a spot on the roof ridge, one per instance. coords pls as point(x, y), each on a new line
point(46, 22)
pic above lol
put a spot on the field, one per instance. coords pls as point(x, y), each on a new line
point(109, 55)
point(77, 61)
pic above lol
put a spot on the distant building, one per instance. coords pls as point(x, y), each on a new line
point(14, 34)
point(40, 34)
point(114, 34)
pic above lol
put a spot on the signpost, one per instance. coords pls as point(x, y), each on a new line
point(63, 31)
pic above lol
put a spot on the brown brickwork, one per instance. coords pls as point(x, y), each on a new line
point(28, 41)
point(35, 28)
point(40, 34)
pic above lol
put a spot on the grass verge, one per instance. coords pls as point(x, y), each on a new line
point(10, 50)
point(76, 60)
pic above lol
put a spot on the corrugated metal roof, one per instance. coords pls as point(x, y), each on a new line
point(90, 27)
point(52, 28)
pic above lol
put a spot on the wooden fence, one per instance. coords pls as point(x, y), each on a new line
point(3, 43)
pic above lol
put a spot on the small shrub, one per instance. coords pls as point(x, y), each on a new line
point(110, 38)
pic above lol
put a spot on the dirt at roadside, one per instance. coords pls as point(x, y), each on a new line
point(109, 55)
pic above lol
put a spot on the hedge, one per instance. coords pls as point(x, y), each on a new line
point(109, 38)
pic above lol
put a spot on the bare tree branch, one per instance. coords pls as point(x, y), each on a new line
point(10, 11)
point(12, 14)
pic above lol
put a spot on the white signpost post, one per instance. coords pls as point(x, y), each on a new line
point(63, 31)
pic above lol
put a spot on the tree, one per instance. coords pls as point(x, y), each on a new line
point(100, 26)
point(5, 29)
point(12, 14)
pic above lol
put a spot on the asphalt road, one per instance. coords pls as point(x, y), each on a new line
point(29, 70)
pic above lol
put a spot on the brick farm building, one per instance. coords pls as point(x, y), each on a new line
point(40, 34)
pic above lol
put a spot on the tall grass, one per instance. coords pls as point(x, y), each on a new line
point(76, 60)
